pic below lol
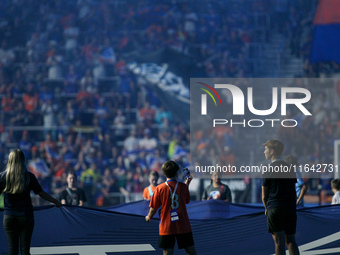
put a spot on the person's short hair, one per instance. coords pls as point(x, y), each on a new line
point(291, 160)
point(335, 184)
point(275, 145)
point(72, 173)
point(170, 168)
point(154, 174)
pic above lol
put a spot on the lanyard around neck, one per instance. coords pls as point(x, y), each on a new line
point(172, 194)
point(150, 191)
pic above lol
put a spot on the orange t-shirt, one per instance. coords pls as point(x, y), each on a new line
point(146, 192)
point(161, 197)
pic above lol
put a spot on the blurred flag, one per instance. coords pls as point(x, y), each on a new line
point(50, 153)
point(326, 44)
point(39, 168)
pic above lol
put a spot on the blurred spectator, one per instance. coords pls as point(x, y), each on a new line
point(25, 145)
point(162, 114)
point(7, 56)
point(165, 131)
point(89, 150)
point(54, 60)
point(121, 67)
point(49, 112)
point(134, 96)
point(60, 170)
point(30, 100)
point(300, 186)
point(87, 81)
point(71, 81)
point(155, 161)
point(119, 122)
point(80, 165)
point(2, 155)
point(72, 195)
point(7, 135)
point(71, 34)
point(98, 70)
point(69, 113)
point(49, 148)
point(8, 103)
point(31, 69)
point(85, 95)
point(18, 82)
point(68, 149)
point(148, 143)
point(20, 116)
point(90, 180)
point(190, 19)
point(101, 162)
point(89, 48)
point(217, 190)
point(102, 113)
point(107, 145)
point(109, 185)
point(320, 108)
point(131, 146)
point(335, 184)
point(108, 57)
point(45, 95)
point(147, 114)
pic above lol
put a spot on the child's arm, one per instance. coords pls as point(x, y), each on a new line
point(150, 215)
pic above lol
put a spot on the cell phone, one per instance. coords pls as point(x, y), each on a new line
point(186, 173)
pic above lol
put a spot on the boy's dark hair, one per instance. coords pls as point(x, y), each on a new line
point(170, 168)
point(276, 145)
point(154, 174)
point(335, 183)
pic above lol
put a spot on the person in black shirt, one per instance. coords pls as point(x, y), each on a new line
point(72, 195)
point(279, 199)
point(217, 190)
point(16, 183)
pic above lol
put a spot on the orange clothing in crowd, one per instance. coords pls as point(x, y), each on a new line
point(30, 102)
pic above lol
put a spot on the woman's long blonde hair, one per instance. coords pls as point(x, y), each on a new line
point(17, 178)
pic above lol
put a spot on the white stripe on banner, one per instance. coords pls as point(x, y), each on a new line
point(305, 249)
point(91, 249)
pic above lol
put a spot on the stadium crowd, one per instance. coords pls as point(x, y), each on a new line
point(69, 102)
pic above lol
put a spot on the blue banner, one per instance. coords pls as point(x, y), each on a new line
point(218, 228)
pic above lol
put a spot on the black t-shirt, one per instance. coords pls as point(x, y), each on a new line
point(222, 192)
point(20, 204)
point(73, 199)
point(281, 191)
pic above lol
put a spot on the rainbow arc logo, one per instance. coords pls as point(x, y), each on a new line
point(204, 97)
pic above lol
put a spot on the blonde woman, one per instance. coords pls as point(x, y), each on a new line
point(16, 183)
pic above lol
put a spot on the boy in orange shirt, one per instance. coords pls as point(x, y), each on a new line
point(172, 196)
point(148, 191)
